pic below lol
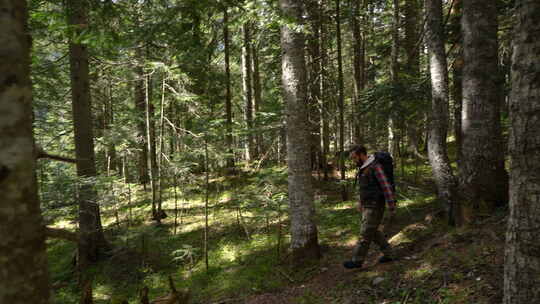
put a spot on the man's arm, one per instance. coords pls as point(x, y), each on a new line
point(385, 185)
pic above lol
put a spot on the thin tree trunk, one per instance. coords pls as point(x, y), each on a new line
point(457, 89)
point(394, 70)
point(341, 93)
point(358, 64)
point(161, 213)
point(483, 179)
point(206, 198)
point(324, 83)
point(257, 97)
point(314, 87)
point(522, 258)
point(24, 275)
point(304, 240)
point(140, 106)
point(437, 153)
point(248, 92)
point(151, 148)
point(109, 123)
point(228, 104)
point(92, 242)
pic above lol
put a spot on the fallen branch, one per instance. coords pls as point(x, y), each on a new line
point(42, 154)
point(63, 234)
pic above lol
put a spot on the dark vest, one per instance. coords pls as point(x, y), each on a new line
point(370, 190)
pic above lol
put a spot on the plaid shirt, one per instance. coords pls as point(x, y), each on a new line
point(385, 184)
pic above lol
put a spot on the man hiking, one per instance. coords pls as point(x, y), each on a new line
point(376, 189)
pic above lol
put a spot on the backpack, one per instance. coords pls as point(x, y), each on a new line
point(387, 163)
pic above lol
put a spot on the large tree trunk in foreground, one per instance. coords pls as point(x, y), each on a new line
point(23, 276)
point(483, 180)
point(304, 242)
point(437, 153)
point(92, 241)
point(522, 254)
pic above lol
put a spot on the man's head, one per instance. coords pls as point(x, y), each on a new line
point(358, 154)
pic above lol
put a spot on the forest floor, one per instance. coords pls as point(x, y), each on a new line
point(248, 241)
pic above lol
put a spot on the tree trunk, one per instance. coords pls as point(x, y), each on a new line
point(92, 242)
point(113, 163)
point(141, 124)
point(150, 140)
point(457, 89)
point(304, 241)
point(411, 11)
point(394, 70)
point(483, 179)
point(228, 104)
point(522, 254)
point(359, 65)
point(257, 97)
point(438, 128)
point(341, 97)
point(314, 87)
point(324, 83)
point(24, 275)
point(248, 92)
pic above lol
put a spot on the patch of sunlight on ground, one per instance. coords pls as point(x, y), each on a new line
point(399, 239)
point(228, 253)
point(344, 206)
point(64, 224)
point(102, 292)
point(351, 241)
point(424, 270)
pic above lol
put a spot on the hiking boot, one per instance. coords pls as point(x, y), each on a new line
point(352, 264)
point(386, 259)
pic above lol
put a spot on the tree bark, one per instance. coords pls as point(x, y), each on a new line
point(228, 103)
point(324, 83)
point(411, 10)
point(141, 124)
point(359, 65)
point(92, 244)
point(483, 179)
point(314, 87)
point(341, 93)
point(248, 91)
point(150, 140)
point(257, 97)
point(438, 128)
point(522, 253)
point(24, 276)
point(457, 89)
point(394, 75)
point(304, 240)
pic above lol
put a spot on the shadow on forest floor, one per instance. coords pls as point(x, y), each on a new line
point(437, 264)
